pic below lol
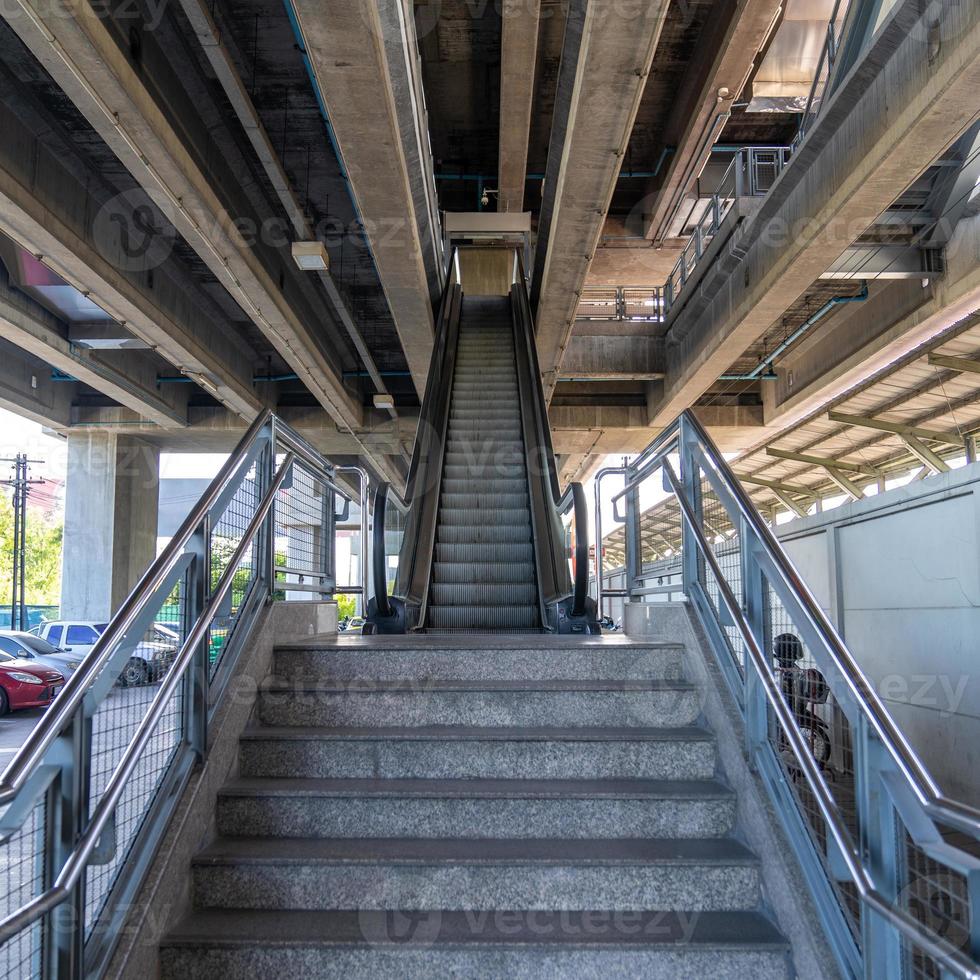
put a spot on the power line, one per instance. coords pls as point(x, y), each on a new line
point(21, 484)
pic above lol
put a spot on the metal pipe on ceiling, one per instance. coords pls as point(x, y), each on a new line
point(756, 373)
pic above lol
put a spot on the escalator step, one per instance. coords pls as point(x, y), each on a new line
point(463, 572)
point(498, 516)
point(485, 502)
point(483, 553)
point(482, 533)
point(483, 617)
point(483, 593)
point(492, 485)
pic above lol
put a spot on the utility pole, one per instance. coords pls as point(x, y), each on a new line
point(21, 486)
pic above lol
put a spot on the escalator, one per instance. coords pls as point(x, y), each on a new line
point(485, 548)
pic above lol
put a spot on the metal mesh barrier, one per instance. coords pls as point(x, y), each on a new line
point(938, 897)
point(303, 548)
point(21, 879)
point(723, 537)
point(226, 535)
point(140, 704)
point(893, 865)
point(642, 303)
point(827, 733)
point(598, 303)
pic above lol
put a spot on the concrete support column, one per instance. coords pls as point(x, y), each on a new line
point(111, 501)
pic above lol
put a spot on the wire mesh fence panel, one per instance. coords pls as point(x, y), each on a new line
point(22, 879)
point(723, 538)
point(302, 545)
point(598, 303)
point(113, 727)
point(642, 303)
point(827, 733)
point(227, 533)
point(936, 896)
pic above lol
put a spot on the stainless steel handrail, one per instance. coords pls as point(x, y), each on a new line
point(77, 861)
point(70, 699)
point(957, 814)
point(952, 812)
point(939, 948)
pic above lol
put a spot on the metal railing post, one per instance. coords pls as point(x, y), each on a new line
point(634, 557)
point(690, 562)
point(754, 593)
point(63, 945)
point(879, 841)
point(197, 589)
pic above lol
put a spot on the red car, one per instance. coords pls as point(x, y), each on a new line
point(23, 684)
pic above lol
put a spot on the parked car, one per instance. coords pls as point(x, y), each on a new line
point(24, 646)
point(25, 684)
point(355, 625)
point(150, 659)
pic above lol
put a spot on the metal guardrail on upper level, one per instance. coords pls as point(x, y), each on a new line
point(893, 865)
point(751, 173)
point(87, 797)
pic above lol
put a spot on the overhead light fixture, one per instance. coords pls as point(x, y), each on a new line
point(384, 401)
point(310, 256)
point(203, 380)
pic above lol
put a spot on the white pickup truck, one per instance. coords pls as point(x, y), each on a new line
point(150, 658)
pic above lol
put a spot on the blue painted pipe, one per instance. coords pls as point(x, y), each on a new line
point(756, 373)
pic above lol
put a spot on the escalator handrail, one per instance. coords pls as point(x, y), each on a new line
point(574, 496)
point(432, 418)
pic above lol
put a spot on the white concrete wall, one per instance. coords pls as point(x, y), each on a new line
point(899, 575)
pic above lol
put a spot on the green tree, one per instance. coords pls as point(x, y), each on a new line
point(346, 605)
point(42, 563)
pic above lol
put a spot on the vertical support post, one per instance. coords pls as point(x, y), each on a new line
point(634, 556)
point(739, 178)
point(63, 945)
point(690, 560)
point(15, 577)
point(755, 609)
point(197, 680)
point(881, 846)
point(265, 544)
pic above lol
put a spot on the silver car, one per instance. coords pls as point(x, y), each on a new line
point(26, 646)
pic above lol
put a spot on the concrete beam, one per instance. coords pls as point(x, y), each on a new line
point(862, 340)
point(79, 49)
point(218, 430)
point(613, 357)
point(605, 63)
point(518, 57)
point(745, 29)
point(345, 45)
point(26, 389)
point(76, 233)
point(128, 378)
point(885, 262)
point(856, 159)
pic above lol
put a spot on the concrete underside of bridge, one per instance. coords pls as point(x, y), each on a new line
point(164, 169)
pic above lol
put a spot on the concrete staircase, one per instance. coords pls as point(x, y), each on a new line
point(477, 806)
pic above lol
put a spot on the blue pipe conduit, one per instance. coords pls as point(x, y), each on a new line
point(756, 373)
